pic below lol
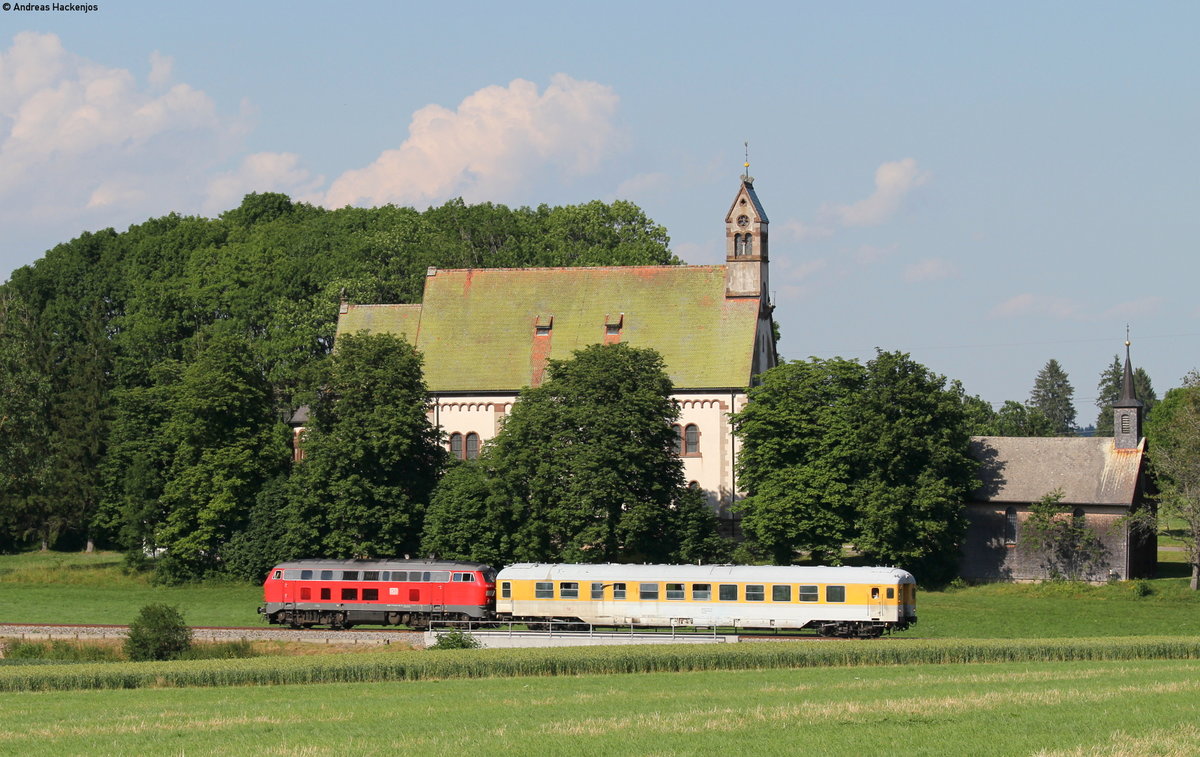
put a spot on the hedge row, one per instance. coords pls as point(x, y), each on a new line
point(487, 663)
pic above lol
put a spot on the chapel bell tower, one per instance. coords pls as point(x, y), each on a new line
point(746, 244)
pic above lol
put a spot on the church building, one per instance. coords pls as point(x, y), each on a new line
point(1103, 480)
point(487, 333)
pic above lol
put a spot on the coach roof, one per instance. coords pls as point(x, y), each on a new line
point(742, 573)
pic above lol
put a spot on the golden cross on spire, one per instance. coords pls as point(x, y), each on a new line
point(746, 165)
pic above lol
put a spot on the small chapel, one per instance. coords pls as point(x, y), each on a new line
point(487, 333)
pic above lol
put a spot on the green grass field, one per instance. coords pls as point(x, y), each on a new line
point(82, 588)
point(1051, 709)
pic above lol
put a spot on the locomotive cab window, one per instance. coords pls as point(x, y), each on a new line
point(701, 592)
point(544, 590)
point(781, 594)
point(618, 591)
point(809, 594)
point(278, 574)
point(755, 593)
point(835, 593)
point(674, 591)
point(568, 590)
point(505, 590)
point(727, 592)
point(464, 577)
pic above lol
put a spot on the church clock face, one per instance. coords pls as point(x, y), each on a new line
point(743, 221)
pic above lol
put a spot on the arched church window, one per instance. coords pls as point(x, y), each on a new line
point(472, 445)
point(691, 439)
point(748, 249)
point(456, 446)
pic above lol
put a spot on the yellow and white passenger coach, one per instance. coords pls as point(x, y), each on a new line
point(834, 601)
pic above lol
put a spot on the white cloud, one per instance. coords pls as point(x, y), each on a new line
point(800, 231)
point(497, 139)
point(1027, 304)
point(1143, 306)
point(893, 182)
point(260, 172)
point(161, 68)
point(930, 269)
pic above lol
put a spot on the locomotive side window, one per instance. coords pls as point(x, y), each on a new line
point(755, 593)
point(648, 592)
point(835, 593)
point(370, 595)
point(674, 591)
point(349, 593)
point(891, 593)
point(809, 594)
point(618, 591)
point(505, 590)
point(701, 592)
point(543, 590)
point(414, 595)
point(781, 594)
point(306, 575)
point(568, 590)
point(370, 575)
point(291, 575)
point(325, 594)
point(727, 592)
point(349, 575)
point(327, 575)
point(597, 590)
point(438, 576)
point(399, 575)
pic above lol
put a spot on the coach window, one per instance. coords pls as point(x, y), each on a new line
point(727, 592)
point(505, 590)
point(835, 593)
point(349, 575)
point(349, 593)
point(305, 593)
point(781, 594)
point(809, 594)
point(370, 595)
point(370, 575)
point(891, 593)
point(327, 575)
point(544, 590)
point(755, 593)
point(325, 593)
point(648, 592)
point(568, 590)
point(306, 575)
point(618, 591)
point(701, 592)
point(675, 591)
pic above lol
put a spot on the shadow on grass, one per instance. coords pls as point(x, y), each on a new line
point(1173, 570)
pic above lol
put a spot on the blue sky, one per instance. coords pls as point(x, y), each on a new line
point(985, 186)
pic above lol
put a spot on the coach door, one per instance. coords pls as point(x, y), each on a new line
point(876, 605)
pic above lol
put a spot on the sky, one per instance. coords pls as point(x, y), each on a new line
point(985, 186)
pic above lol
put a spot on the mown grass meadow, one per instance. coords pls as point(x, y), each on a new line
point(1052, 709)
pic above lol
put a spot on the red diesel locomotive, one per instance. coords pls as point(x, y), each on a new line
point(344, 593)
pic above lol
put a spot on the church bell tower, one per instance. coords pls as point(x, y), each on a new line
point(746, 244)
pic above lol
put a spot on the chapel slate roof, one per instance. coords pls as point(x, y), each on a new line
point(1089, 470)
point(475, 327)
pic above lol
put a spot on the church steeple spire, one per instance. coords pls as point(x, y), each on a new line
point(1127, 410)
point(746, 242)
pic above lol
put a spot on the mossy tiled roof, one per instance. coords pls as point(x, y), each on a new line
point(476, 327)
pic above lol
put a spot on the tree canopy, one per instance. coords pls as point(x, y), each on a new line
point(583, 470)
point(1108, 391)
point(1173, 435)
point(1052, 394)
point(836, 452)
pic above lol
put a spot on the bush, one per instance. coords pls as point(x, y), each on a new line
point(158, 633)
point(222, 650)
point(60, 651)
point(456, 639)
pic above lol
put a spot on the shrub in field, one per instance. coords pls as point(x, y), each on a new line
point(158, 633)
point(224, 650)
point(456, 639)
point(60, 651)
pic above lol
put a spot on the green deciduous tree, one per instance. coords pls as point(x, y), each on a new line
point(1012, 419)
point(1108, 391)
point(1052, 394)
point(1173, 433)
point(583, 471)
point(835, 452)
point(371, 455)
point(1064, 544)
point(157, 633)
